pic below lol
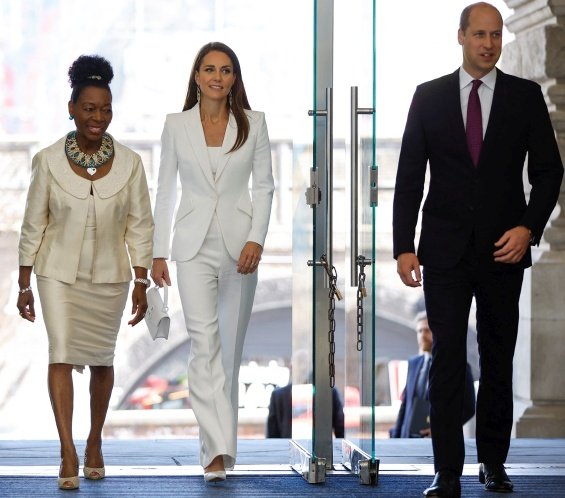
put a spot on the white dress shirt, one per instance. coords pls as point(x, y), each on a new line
point(486, 91)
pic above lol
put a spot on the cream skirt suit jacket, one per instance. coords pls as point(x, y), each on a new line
point(217, 214)
point(82, 238)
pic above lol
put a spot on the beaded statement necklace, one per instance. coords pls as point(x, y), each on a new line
point(90, 162)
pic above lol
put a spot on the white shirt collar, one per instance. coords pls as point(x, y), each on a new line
point(488, 80)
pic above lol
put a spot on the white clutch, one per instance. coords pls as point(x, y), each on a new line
point(157, 314)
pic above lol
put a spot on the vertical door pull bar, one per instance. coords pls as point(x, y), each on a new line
point(313, 194)
point(354, 242)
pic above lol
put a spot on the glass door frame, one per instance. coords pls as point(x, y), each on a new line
point(314, 456)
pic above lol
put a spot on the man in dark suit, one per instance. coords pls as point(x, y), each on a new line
point(475, 236)
point(413, 415)
point(279, 420)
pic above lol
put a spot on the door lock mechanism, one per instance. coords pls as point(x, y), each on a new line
point(313, 192)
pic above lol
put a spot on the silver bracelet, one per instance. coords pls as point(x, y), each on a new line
point(143, 281)
point(23, 291)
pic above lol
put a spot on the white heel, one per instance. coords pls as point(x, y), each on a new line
point(215, 476)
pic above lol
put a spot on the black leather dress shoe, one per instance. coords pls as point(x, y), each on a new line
point(446, 484)
point(495, 478)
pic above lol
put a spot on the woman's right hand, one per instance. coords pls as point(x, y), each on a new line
point(26, 301)
point(160, 272)
point(26, 306)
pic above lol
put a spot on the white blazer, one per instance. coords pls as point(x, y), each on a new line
point(57, 208)
point(241, 217)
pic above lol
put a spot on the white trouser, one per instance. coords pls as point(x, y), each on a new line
point(216, 302)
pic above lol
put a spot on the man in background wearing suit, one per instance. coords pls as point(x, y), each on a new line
point(413, 415)
point(279, 420)
point(475, 236)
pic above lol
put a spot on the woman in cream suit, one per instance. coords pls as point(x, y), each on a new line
point(215, 146)
point(87, 222)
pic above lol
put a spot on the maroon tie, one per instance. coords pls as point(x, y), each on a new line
point(474, 123)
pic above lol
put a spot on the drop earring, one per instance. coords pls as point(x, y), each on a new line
point(230, 99)
point(71, 117)
point(197, 94)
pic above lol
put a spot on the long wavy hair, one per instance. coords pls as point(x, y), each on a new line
point(239, 102)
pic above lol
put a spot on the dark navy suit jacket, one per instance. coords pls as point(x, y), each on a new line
point(402, 429)
point(279, 421)
point(466, 202)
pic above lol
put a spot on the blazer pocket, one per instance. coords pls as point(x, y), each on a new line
point(244, 205)
point(185, 208)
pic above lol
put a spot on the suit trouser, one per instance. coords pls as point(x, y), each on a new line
point(448, 296)
point(216, 302)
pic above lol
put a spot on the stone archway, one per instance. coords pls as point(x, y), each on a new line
point(538, 53)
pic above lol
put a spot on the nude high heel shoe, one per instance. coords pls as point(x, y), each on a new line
point(68, 482)
point(93, 473)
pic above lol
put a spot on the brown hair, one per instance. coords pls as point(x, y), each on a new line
point(239, 100)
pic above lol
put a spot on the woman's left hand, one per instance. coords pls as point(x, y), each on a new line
point(139, 303)
point(249, 258)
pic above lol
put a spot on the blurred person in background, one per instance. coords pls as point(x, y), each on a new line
point(279, 419)
point(413, 419)
point(216, 145)
point(87, 222)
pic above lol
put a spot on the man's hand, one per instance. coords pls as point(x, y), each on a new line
point(512, 246)
point(408, 268)
point(426, 432)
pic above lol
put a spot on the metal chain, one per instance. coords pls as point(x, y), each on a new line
point(333, 294)
point(361, 294)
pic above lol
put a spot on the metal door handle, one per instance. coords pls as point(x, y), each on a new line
point(354, 242)
point(328, 113)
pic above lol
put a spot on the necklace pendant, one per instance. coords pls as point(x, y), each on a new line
point(91, 171)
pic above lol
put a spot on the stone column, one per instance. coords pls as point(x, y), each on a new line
point(538, 53)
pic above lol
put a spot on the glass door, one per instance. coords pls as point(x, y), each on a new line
point(333, 238)
point(356, 65)
point(312, 446)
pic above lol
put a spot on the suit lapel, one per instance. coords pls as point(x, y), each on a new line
point(412, 382)
point(79, 187)
point(197, 140)
point(495, 121)
point(67, 179)
point(457, 123)
point(229, 140)
point(118, 176)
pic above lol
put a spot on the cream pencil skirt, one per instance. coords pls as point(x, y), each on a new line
point(216, 302)
point(82, 319)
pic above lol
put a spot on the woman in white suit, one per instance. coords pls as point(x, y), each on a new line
point(87, 222)
point(215, 146)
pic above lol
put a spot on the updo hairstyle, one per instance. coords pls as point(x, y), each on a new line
point(89, 70)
